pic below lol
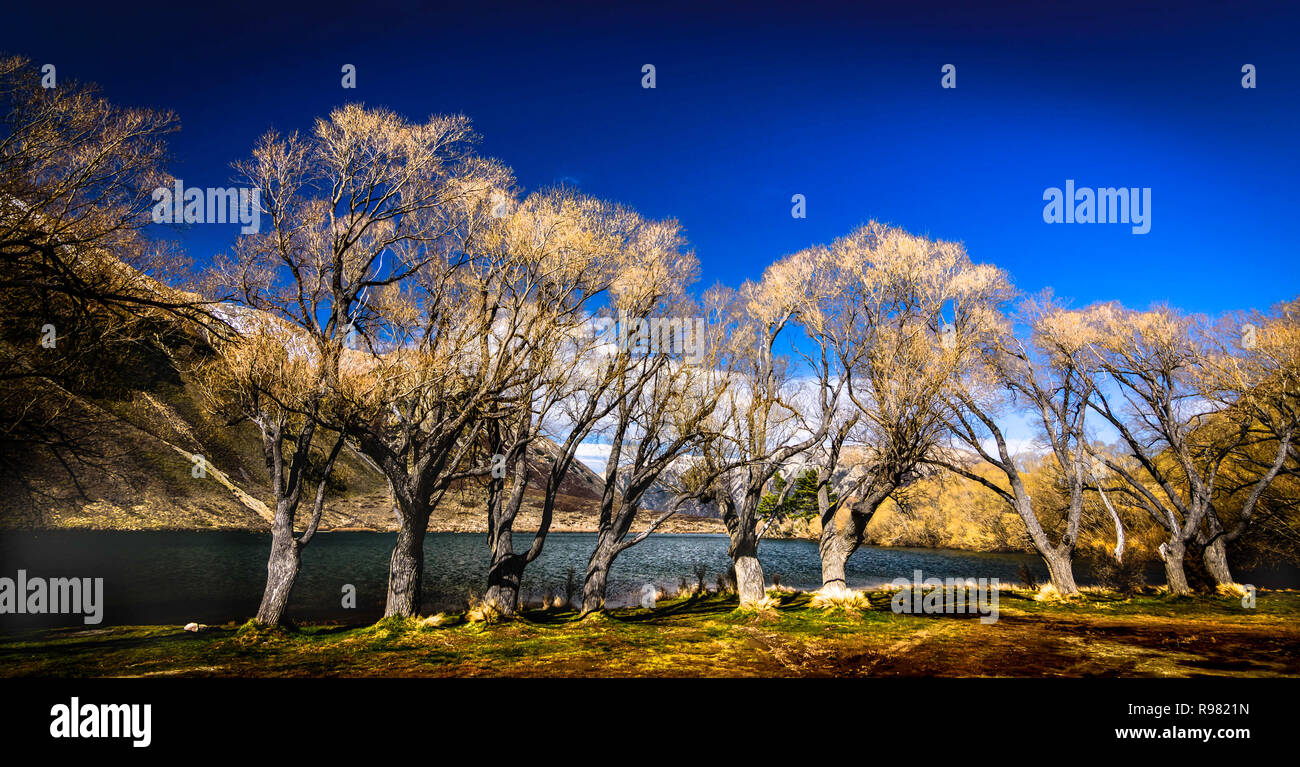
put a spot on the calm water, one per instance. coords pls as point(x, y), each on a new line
point(176, 577)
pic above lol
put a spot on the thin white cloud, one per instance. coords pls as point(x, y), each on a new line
point(594, 455)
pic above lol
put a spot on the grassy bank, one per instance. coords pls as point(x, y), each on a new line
point(1100, 634)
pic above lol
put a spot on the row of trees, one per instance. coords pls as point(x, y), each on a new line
point(405, 301)
point(922, 360)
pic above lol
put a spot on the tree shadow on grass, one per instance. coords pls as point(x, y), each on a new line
point(695, 605)
point(550, 616)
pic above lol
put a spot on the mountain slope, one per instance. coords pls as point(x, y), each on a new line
point(136, 466)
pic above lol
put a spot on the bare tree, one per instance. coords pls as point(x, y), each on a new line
point(1253, 374)
point(1000, 374)
point(77, 177)
point(1161, 402)
point(82, 283)
point(569, 391)
point(758, 421)
point(482, 365)
point(364, 203)
point(274, 377)
point(871, 310)
point(664, 403)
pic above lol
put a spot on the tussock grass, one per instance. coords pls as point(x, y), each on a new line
point(1049, 593)
point(840, 598)
point(484, 612)
point(436, 620)
point(1231, 590)
point(253, 632)
point(766, 606)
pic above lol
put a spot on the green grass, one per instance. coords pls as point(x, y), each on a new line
point(1097, 634)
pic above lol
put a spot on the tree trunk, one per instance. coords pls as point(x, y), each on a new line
point(835, 552)
point(406, 568)
point(1216, 562)
point(1060, 568)
point(504, 576)
point(749, 573)
point(281, 572)
point(593, 585)
point(842, 534)
point(1176, 578)
point(506, 568)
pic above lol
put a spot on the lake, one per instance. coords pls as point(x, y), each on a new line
point(214, 577)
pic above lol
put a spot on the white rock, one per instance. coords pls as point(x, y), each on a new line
point(191, 627)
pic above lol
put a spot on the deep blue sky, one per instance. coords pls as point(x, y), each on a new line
point(755, 105)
